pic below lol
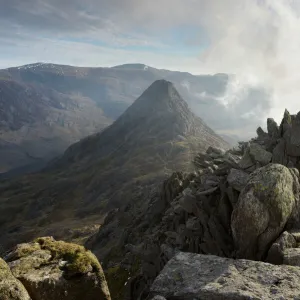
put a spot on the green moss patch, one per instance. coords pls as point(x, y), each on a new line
point(79, 260)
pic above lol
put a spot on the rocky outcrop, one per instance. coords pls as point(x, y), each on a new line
point(10, 287)
point(237, 203)
point(190, 276)
point(55, 270)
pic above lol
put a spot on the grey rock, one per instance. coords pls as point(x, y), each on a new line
point(260, 133)
point(215, 150)
point(263, 209)
point(237, 179)
point(296, 234)
point(273, 129)
point(258, 154)
point(279, 153)
point(10, 287)
point(291, 257)
point(188, 203)
point(276, 252)
point(246, 162)
point(190, 276)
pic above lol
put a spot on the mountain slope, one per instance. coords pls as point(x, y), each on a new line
point(68, 103)
point(38, 124)
point(154, 137)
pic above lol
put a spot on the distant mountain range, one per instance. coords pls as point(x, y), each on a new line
point(154, 137)
point(44, 108)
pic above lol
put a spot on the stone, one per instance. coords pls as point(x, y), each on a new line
point(263, 209)
point(291, 257)
point(10, 287)
point(273, 129)
point(215, 150)
point(258, 154)
point(279, 153)
point(59, 270)
point(189, 276)
point(276, 252)
point(188, 203)
point(286, 122)
point(260, 133)
point(296, 234)
point(237, 179)
point(246, 162)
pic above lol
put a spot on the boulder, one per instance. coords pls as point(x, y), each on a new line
point(189, 276)
point(55, 270)
point(237, 179)
point(291, 257)
point(276, 252)
point(246, 162)
point(10, 287)
point(258, 154)
point(263, 209)
point(279, 153)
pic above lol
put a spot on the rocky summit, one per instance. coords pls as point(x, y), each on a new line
point(242, 203)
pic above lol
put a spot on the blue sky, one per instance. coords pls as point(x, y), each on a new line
point(163, 34)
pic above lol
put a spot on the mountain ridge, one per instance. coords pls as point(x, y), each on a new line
point(105, 170)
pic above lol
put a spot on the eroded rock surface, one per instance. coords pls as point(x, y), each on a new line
point(190, 276)
point(10, 287)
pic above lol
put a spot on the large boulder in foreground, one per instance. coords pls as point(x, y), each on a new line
point(55, 270)
point(189, 276)
point(263, 209)
point(10, 287)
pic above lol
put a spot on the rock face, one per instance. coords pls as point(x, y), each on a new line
point(263, 209)
point(55, 270)
point(10, 287)
point(190, 276)
point(236, 204)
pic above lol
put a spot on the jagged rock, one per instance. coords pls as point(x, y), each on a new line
point(237, 179)
point(190, 276)
point(261, 134)
point(279, 153)
point(291, 257)
point(52, 269)
point(292, 137)
point(276, 252)
point(246, 162)
point(286, 122)
point(258, 154)
point(273, 129)
point(10, 287)
point(263, 209)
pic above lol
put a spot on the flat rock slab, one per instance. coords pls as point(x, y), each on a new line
point(190, 276)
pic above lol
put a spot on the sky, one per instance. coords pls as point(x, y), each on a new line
point(257, 40)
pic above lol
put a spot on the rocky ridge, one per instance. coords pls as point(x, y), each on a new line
point(251, 191)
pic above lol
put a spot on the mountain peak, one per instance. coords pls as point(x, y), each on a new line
point(160, 96)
